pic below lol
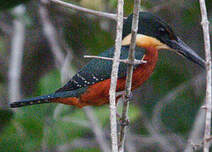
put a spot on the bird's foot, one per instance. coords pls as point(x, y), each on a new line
point(125, 122)
point(129, 97)
point(122, 122)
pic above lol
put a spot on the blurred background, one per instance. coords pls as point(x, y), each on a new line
point(42, 45)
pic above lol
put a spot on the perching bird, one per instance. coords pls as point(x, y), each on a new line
point(90, 86)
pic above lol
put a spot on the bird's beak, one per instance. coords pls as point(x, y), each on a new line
point(183, 49)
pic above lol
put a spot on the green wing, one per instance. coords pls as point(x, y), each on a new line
point(98, 70)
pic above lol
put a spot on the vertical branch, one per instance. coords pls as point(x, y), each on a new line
point(17, 48)
point(131, 57)
point(205, 26)
point(114, 75)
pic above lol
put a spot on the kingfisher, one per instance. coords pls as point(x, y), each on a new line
point(91, 84)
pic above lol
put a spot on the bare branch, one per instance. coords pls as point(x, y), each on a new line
point(51, 35)
point(205, 26)
point(82, 9)
point(17, 49)
point(126, 61)
point(131, 58)
point(114, 75)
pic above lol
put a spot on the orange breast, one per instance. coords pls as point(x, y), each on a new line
point(98, 94)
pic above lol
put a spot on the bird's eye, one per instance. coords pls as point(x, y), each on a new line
point(162, 30)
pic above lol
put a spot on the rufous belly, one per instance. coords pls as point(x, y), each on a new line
point(98, 94)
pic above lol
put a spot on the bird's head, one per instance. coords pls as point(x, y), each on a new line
point(157, 34)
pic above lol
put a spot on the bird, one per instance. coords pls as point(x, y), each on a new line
point(90, 85)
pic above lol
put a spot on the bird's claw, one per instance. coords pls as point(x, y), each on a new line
point(125, 122)
point(121, 121)
point(129, 97)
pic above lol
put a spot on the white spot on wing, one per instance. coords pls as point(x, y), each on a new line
point(94, 77)
point(81, 77)
point(74, 81)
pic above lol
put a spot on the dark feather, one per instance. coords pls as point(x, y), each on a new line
point(98, 70)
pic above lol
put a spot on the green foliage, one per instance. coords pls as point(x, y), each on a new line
point(168, 76)
point(164, 79)
point(49, 83)
point(93, 40)
point(10, 140)
point(190, 12)
point(87, 150)
point(7, 4)
point(179, 115)
point(5, 117)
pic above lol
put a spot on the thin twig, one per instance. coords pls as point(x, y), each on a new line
point(205, 26)
point(17, 49)
point(114, 75)
point(82, 9)
point(131, 58)
point(126, 61)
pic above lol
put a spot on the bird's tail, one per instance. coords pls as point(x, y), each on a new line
point(33, 101)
